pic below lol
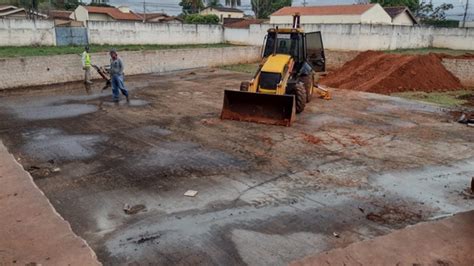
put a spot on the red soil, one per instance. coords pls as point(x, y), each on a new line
point(387, 73)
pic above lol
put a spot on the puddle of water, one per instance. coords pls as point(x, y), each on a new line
point(397, 104)
point(134, 103)
point(47, 144)
point(187, 156)
point(53, 112)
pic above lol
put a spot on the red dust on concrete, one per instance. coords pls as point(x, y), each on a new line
point(388, 73)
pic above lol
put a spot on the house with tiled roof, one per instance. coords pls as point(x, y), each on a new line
point(98, 13)
point(401, 15)
point(60, 14)
point(334, 14)
point(244, 23)
point(223, 12)
point(160, 18)
point(13, 12)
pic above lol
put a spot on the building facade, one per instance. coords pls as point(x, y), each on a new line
point(223, 12)
point(337, 14)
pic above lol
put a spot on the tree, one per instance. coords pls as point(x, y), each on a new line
point(71, 4)
point(233, 3)
point(201, 19)
point(427, 11)
point(191, 6)
point(422, 10)
point(213, 3)
point(411, 4)
point(264, 8)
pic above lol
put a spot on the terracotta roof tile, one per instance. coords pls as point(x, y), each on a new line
point(394, 11)
point(323, 10)
point(245, 24)
point(115, 13)
point(60, 14)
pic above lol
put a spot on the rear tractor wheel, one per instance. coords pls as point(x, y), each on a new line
point(244, 86)
point(308, 85)
point(300, 97)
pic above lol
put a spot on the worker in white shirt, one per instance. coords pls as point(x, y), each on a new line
point(86, 65)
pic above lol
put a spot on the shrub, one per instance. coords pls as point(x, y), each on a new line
point(201, 19)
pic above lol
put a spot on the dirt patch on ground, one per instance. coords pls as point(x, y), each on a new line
point(393, 215)
point(312, 139)
point(388, 73)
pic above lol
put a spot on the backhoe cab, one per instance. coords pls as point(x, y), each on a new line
point(285, 81)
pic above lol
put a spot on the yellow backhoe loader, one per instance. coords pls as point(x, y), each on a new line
point(285, 81)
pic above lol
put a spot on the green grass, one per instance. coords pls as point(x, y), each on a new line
point(24, 51)
point(449, 98)
point(244, 68)
point(429, 50)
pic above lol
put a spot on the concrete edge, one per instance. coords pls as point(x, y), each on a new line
point(45, 199)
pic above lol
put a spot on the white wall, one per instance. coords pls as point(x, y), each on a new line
point(358, 37)
point(42, 70)
point(22, 32)
point(469, 24)
point(153, 33)
point(453, 38)
point(361, 37)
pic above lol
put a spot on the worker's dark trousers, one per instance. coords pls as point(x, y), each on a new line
point(117, 84)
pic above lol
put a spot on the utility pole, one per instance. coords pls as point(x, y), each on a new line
point(144, 11)
point(465, 14)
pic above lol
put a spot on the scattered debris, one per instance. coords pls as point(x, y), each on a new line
point(190, 193)
point(56, 170)
point(312, 139)
point(361, 210)
point(467, 119)
point(394, 215)
point(130, 210)
point(147, 238)
point(336, 235)
point(209, 121)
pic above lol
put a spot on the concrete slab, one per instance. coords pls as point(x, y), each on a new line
point(33, 233)
point(360, 166)
point(446, 242)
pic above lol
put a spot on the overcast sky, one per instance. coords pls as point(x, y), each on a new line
point(171, 6)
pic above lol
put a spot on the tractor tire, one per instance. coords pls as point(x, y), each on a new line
point(300, 97)
point(308, 85)
point(244, 86)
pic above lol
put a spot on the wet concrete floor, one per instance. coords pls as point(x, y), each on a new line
point(359, 166)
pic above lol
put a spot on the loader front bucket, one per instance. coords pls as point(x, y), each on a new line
point(258, 107)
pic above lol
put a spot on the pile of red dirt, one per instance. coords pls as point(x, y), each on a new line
point(388, 73)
